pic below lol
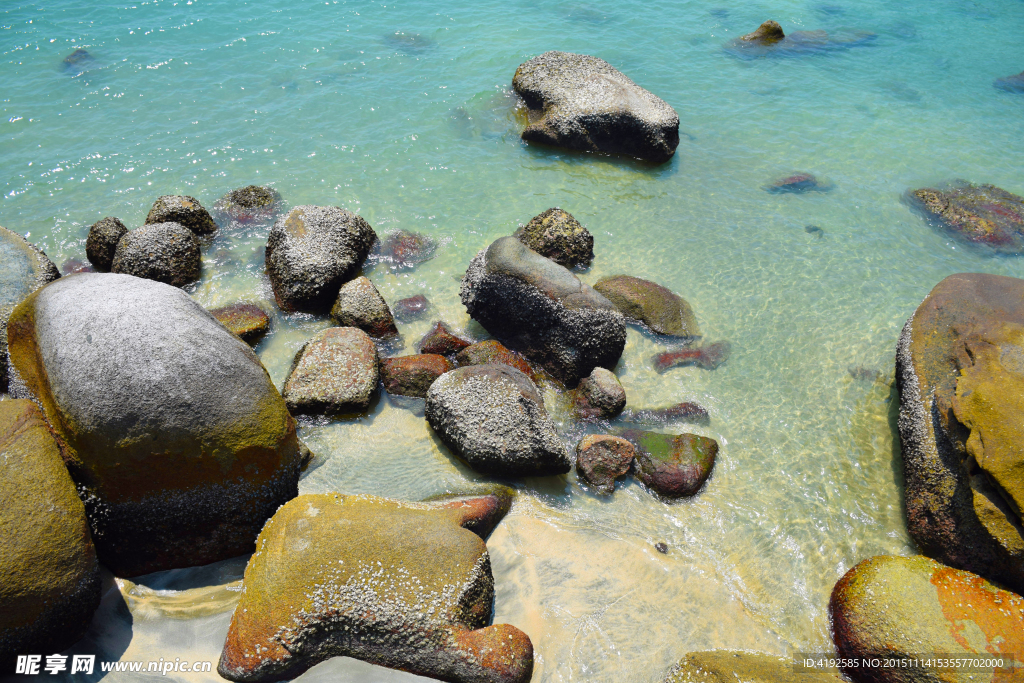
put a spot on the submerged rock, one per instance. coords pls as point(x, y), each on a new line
point(312, 251)
point(798, 183)
point(1011, 83)
point(492, 351)
point(815, 230)
point(134, 371)
point(360, 305)
point(402, 585)
point(893, 607)
point(184, 210)
point(493, 418)
point(402, 249)
point(250, 203)
point(73, 265)
point(556, 235)
point(442, 340)
point(51, 584)
point(248, 321)
point(672, 465)
point(584, 103)
point(601, 459)
point(599, 395)
point(769, 40)
point(413, 375)
point(78, 62)
point(537, 307)
point(335, 372)
point(977, 214)
point(650, 303)
point(165, 252)
point(411, 308)
point(960, 377)
point(708, 357)
point(767, 33)
point(102, 241)
point(680, 412)
point(723, 666)
point(408, 42)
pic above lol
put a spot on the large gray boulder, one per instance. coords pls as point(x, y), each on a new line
point(165, 252)
point(177, 439)
point(537, 307)
point(493, 418)
point(582, 102)
point(312, 251)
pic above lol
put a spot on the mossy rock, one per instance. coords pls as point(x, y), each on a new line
point(556, 235)
point(650, 303)
point(672, 465)
point(249, 321)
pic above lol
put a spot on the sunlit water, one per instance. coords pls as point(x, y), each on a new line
point(401, 112)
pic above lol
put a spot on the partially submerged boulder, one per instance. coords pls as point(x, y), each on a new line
point(51, 580)
point(177, 439)
point(102, 241)
point(976, 214)
point(686, 411)
point(960, 377)
point(769, 40)
point(413, 375)
point(165, 252)
point(556, 235)
point(672, 465)
point(182, 209)
point(600, 395)
point(493, 418)
point(601, 459)
point(584, 103)
point(1011, 83)
point(250, 203)
point(402, 249)
point(312, 251)
point(411, 308)
point(249, 321)
point(402, 585)
point(723, 666)
point(537, 307)
point(442, 340)
point(707, 357)
point(650, 303)
point(359, 304)
point(334, 373)
point(904, 607)
point(493, 351)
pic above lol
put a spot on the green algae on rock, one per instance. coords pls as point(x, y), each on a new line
point(51, 579)
point(179, 442)
point(184, 210)
point(672, 465)
point(977, 214)
point(650, 303)
point(165, 252)
point(249, 321)
point(556, 235)
point(334, 373)
point(493, 351)
point(888, 607)
point(959, 376)
point(402, 585)
point(724, 666)
point(413, 375)
point(359, 304)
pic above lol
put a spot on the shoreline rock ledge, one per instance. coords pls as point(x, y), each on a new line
point(179, 443)
point(584, 103)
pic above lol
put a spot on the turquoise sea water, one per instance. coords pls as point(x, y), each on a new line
point(402, 112)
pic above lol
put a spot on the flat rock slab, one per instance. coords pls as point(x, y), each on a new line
point(179, 442)
point(493, 418)
point(976, 214)
point(557, 235)
point(248, 321)
point(648, 302)
point(334, 373)
point(723, 666)
point(413, 375)
point(184, 210)
point(960, 377)
point(672, 465)
point(602, 458)
point(403, 585)
point(359, 304)
point(442, 340)
point(584, 103)
point(51, 579)
point(908, 606)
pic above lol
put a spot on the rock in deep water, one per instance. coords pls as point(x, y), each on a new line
point(335, 372)
point(51, 580)
point(102, 241)
point(650, 303)
point(184, 210)
point(411, 308)
point(977, 214)
point(179, 443)
point(248, 321)
point(537, 307)
point(600, 395)
point(672, 465)
point(413, 375)
point(556, 235)
point(769, 40)
point(360, 305)
point(1011, 83)
point(165, 252)
point(493, 418)
point(601, 459)
point(442, 340)
point(493, 351)
point(402, 585)
point(960, 377)
point(889, 607)
point(248, 204)
point(584, 103)
point(723, 666)
point(312, 251)
point(402, 249)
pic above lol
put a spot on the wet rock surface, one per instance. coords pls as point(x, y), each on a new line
point(601, 459)
point(672, 465)
point(584, 103)
point(402, 585)
point(442, 340)
point(51, 579)
point(723, 666)
point(903, 606)
point(335, 372)
point(359, 304)
point(249, 204)
point(977, 214)
point(492, 351)
point(402, 249)
point(165, 252)
point(600, 396)
point(650, 303)
point(184, 210)
point(102, 241)
point(411, 308)
point(493, 418)
point(556, 235)
point(798, 183)
point(680, 412)
point(960, 378)
point(133, 371)
point(537, 307)
point(312, 251)
point(1011, 83)
point(248, 321)
point(707, 357)
point(769, 40)
point(413, 375)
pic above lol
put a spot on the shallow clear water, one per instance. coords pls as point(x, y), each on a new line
point(401, 112)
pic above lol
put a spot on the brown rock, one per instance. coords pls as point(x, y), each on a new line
point(650, 303)
point(672, 465)
point(767, 33)
point(492, 351)
point(413, 375)
point(335, 372)
point(441, 340)
point(359, 304)
point(411, 308)
point(601, 459)
point(248, 321)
